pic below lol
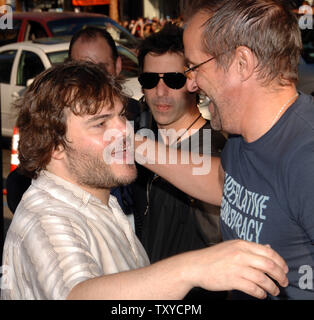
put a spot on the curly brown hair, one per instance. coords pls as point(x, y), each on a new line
point(78, 87)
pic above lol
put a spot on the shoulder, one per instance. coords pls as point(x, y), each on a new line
point(298, 130)
point(302, 113)
point(38, 209)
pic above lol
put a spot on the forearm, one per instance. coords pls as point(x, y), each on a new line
point(237, 264)
point(167, 279)
point(200, 177)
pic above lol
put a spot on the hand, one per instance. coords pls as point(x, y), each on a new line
point(240, 265)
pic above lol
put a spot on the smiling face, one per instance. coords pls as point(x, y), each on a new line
point(168, 105)
point(83, 159)
point(219, 85)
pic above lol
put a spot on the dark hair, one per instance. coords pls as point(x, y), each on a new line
point(76, 86)
point(267, 27)
point(90, 34)
point(168, 39)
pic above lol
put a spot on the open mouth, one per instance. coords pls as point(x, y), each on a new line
point(120, 151)
point(163, 107)
point(124, 152)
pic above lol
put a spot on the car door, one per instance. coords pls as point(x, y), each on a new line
point(7, 60)
point(28, 63)
point(29, 66)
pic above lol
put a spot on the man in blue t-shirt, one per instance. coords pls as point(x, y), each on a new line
point(244, 55)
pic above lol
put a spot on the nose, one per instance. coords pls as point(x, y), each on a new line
point(191, 84)
point(117, 127)
point(161, 88)
point(120, 124)
point(117, 130)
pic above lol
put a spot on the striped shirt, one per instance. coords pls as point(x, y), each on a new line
point(60, 236)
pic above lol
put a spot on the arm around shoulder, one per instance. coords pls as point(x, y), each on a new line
point(201, 179)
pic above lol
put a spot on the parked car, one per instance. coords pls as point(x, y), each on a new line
point(33, 25)
point(20, 62)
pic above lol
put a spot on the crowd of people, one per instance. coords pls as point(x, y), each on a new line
point(143, 27)
point(87, 228)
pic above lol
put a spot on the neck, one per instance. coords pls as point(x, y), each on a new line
point(57, 169)
point(264, 109)
point(101, 194)
point(182, 128)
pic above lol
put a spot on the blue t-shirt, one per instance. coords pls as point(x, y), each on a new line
point(269, 193)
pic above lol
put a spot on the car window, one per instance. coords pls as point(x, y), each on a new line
point(6, 63)
point(65, 27)
point(34, 30)
point(69, 26)
point(120, 35)
point(30, 65)
point(58, 56)
point(10, 35)
point(129, 62)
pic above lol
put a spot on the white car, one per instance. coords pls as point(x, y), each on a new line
point(20, 62)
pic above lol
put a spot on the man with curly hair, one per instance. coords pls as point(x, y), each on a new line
point(69, 238)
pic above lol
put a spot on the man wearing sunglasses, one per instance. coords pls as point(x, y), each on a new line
point(181, 223)
point(69, 238)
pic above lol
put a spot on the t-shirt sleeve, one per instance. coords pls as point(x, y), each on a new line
point(301, 189)
point(57, 257)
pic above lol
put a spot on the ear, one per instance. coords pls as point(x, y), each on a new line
point(191, 85)
point(118, 66)
point(58, 153)
point(245, 62)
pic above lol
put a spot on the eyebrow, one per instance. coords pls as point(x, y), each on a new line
point(98, 117)
point(187, 61)
point(104, 116)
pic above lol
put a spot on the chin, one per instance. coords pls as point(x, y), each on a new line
point(125, 174)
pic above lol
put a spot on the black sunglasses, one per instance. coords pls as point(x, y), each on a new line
point(174, 80)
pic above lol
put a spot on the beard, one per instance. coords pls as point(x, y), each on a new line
point(89, 170)
point(215, 121)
